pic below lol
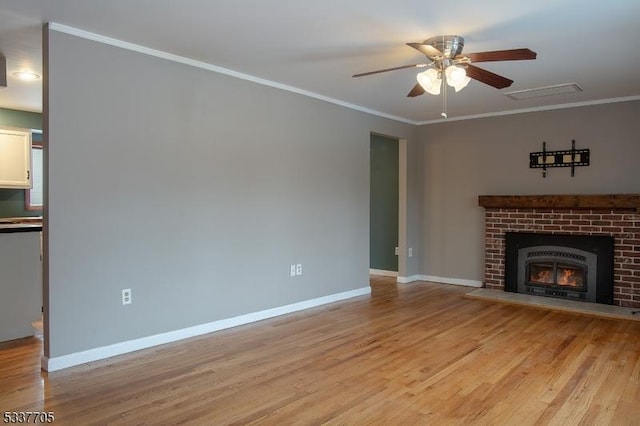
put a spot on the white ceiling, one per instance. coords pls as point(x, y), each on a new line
point(316, 46)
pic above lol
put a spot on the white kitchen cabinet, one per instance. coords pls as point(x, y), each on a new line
point(15, 158)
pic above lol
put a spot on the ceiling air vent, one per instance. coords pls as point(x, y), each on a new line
point(559, 89)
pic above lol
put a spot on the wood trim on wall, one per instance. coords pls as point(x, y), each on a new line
point(588, 202)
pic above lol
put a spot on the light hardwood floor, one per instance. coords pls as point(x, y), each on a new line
point(408, 355)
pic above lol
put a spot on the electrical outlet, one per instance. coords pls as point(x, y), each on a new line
point(299, 269)
point(292, 270)
point(396, 251)
point(126, 296)
point(410, 252)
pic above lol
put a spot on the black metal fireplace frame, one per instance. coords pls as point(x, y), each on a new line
point(600, 245)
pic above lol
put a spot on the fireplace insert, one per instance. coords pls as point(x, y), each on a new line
point(574, 267)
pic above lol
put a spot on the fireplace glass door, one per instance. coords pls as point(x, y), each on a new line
point(556, 274)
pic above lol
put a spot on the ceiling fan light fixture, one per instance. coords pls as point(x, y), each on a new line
point(458, 87)
point(429, 81)
point(26, 75)
point(454, 74)
point(456, 77)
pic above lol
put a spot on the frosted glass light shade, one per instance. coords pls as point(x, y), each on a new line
point(429, 81)
point(455, 75)
point(462, 84)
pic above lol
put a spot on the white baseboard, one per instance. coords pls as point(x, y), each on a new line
point(442, 280)
point(66, 361)
point(412, 278)
point(383, 273)
point(454, 281)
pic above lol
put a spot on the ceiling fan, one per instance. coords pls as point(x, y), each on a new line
point(447, 63)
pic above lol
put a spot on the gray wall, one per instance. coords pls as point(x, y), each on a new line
point(411, 209)
point(22, 119)
point(464, 159)
point(196, 190)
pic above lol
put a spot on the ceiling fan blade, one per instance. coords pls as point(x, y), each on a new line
point(501, 55)
point(416, 91)
point(487, 77)
point(390, 69)
point(427, 49)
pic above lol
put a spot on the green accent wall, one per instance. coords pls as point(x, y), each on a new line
point(384, 203)
point(12, 200)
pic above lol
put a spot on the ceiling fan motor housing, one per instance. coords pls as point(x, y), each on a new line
point(450, 45)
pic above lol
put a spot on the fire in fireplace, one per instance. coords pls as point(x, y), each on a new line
point(555, 274)
point(575, 267)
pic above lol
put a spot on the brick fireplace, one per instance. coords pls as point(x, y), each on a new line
point(616, 215)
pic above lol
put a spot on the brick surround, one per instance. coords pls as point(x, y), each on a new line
point(622, 224)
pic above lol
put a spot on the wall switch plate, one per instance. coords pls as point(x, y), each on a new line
point(396, 251)
point(410, 252)
point(126, 296)
point(292, 270)
point(299, 269)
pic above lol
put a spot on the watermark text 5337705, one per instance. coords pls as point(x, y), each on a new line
point(28, 417)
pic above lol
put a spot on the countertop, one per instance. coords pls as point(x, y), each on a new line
point(19, 227)
point(20, 224)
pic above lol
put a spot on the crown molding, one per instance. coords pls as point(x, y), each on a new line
point(533, 109)
point(214, 68)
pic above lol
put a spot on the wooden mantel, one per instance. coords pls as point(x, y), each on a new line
point(606, 201)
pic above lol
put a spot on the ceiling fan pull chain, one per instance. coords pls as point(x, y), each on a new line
point(444, 98)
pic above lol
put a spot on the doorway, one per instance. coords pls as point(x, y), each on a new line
point(383, 207)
